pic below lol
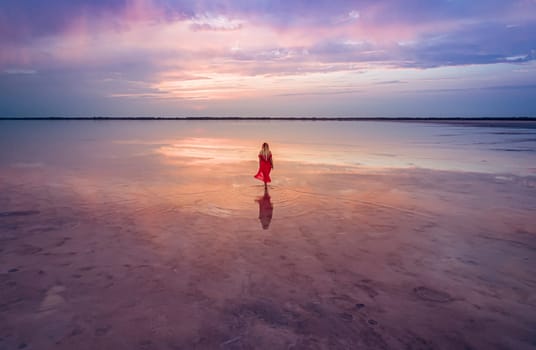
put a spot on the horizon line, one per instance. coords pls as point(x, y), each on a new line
point(95, 118)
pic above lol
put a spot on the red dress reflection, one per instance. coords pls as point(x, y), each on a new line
point(266, 209)
point(265, 166)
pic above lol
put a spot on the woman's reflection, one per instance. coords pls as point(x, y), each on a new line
point(266, 209)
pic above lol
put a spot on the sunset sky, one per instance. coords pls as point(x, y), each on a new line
point(268, 58)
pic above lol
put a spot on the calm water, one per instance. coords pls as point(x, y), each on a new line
point(88, 144)
point(162, 223)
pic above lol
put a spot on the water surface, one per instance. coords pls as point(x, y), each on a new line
point(503, 148)
point(372, 235)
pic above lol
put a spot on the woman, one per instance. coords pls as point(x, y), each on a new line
point(265, 164)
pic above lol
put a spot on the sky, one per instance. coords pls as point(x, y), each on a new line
point(375, 58)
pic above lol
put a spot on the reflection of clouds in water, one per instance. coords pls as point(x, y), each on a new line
point(266, 209)
point(351, 145)
point(209, 150)
point(227, 151)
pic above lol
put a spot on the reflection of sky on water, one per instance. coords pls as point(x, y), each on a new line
point(207, 150)
point(79, 144)
point(205, 169)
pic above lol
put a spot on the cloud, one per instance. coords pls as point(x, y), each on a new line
point(479, 43)
point(222, 50)
point(389, 82)
point(350, 16)
point(214, 22)
point(19, 71)
point(324, 93)
point(524, 87)
point(353, 14)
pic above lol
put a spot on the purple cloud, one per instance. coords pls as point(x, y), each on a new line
point(98, 50)
point(482, 43)
point(21, 21)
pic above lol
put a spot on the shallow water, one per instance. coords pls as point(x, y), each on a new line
point(206, 167)
point(502, 148)
point(127, 234)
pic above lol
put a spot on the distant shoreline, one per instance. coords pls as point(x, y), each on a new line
point(401, 119)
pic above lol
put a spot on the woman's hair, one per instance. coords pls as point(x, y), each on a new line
point(265, 150)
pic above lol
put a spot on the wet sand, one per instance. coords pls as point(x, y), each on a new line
point(329, 258)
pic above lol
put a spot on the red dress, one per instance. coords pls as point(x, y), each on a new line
point(265, 166)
